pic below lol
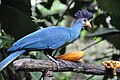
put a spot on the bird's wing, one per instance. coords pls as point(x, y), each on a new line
point(53, 37)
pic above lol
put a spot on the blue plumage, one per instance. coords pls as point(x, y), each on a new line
point(47, 38)
point(10, 58)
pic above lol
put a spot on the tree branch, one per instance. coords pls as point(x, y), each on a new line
point(43, 65)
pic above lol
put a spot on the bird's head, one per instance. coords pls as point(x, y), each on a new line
point(82, 18)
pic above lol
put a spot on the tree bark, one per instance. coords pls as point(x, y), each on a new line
point(64, 66)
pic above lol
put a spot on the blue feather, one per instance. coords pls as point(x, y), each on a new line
point(10, 58)
point(46, 38)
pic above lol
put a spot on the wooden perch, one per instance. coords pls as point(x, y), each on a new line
point(46, 65)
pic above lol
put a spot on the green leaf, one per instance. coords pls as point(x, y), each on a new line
point(56, 7)
point(103, 31)
point(15, 23)
point(111, 6)
point(47, 4)
point(111, 35)
point(35, 75)
point(1, 77)
point(5, 41)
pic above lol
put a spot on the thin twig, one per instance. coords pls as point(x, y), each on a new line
point(90, 77)
point(91, 45)
point(64, 13)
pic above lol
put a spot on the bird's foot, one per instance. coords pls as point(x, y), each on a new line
point(58, 62)
point(54, 60)
point(63, 61)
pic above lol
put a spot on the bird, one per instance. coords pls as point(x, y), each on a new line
point(48, 39)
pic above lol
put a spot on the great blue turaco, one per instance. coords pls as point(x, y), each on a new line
point(48, 39)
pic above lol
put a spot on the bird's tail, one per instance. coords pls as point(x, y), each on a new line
point(10, 58)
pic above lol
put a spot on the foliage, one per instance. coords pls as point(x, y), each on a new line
point(12, 16)
point(19, 18)
point(110, 12)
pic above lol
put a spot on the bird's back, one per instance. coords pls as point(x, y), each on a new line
point(46, 38)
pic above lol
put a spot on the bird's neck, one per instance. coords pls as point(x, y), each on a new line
point(75, 30)
point(76, 27)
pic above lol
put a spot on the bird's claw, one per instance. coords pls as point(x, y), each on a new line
point(58, 62)
point(62, 61)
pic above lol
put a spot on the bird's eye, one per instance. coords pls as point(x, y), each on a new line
point(84, 20)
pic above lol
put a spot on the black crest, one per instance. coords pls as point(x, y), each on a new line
point(84, 14)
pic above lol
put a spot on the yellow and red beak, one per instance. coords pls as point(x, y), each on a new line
point(88, 24)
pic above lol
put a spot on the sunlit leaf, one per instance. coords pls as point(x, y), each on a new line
point(47, 4)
